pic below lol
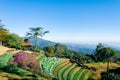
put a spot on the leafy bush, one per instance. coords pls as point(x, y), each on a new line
point(26, 61)
point(59, 55)
point(4, 59)
point(110, 76)
point(49, 51)
point(25, 74)
point(33, 48)
point(13, 69)
point(14, 41)
point(80, 59)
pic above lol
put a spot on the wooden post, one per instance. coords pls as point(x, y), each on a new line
point(0, 43)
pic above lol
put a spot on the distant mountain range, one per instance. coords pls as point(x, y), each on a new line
point(90, 48)
point(84, 48)
point(41, 42)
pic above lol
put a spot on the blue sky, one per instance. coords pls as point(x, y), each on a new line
point(68, 20)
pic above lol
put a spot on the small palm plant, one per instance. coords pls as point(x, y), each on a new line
point(36, 32)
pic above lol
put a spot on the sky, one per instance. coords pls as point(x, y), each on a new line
point(67, 20)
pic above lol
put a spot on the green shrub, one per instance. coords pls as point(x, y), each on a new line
point(110, 76)
point(4, 59)
point(14, 41)
point(33, 48)
point(14, 69)
point(49, 51)
point(20, 71)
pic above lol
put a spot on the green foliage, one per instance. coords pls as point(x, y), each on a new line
point(118, 59)
point(21, 72)
point(59, 55)
point(63, 51)
point(3, 33)
point(110, 76)
point(32, 48)
point(4, 59)
point(35, 49)
point(80, 59)
point(60, 49)
point(105, 53)
point(99, 46)
point(14, 41)
point(14, 69)
point(49, 51)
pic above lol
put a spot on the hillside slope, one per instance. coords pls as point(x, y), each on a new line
point(63, 69)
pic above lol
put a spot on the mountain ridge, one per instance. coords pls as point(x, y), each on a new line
point(86, 48)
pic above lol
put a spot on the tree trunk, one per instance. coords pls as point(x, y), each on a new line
point(36, 43)
point(0, 43)
point(107, 66)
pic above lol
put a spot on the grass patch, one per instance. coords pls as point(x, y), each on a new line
point(73, 73)
point(66, 72)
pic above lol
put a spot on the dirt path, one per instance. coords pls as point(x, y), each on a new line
point(3, 49)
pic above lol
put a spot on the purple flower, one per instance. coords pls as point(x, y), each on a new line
point(26, 61)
